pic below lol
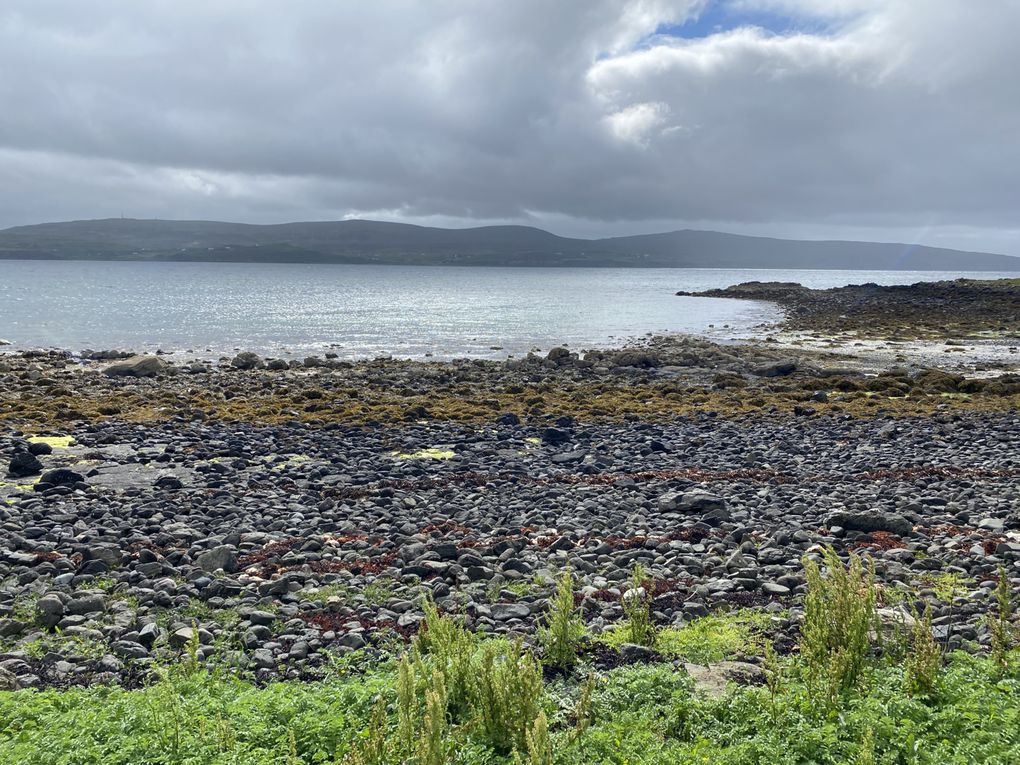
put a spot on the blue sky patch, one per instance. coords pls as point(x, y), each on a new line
point(724, 16)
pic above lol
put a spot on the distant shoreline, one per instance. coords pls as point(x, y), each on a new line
point(368, 242)
point(524, 266)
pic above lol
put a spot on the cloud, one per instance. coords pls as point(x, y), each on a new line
point(890, 116)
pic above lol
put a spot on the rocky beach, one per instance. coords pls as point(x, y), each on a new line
point(286, 512)
point(271, 518)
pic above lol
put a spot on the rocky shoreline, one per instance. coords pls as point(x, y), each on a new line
point(960, 309)
point(272, 516)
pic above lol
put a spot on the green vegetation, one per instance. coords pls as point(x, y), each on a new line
point(711, 638)
point(924, 661)
point(563, 629)
point(461, 698)
point(77, 646)
point(637, 608)
point(375, 593)
point(839, 617)
point(948, 586)
point(641, 714)
point(1003, 634)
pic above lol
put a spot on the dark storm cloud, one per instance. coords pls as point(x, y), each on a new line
point(898, 117)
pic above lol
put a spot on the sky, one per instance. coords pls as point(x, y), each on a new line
point(892, 120)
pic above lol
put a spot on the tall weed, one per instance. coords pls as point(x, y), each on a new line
point(839, 614)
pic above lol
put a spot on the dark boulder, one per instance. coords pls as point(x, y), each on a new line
point(24, 464)
point(247, 360)
point(871, 520)
point(59, 477)
point(555, 436)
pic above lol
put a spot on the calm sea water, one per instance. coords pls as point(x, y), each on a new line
point(364, 311)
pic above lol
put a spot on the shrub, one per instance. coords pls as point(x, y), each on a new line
point(563, 629)
point(421, 735)
point(507, 694)
point(539, 745)
point(637, 609)
point(450, 648)
point(924, 660)
point(999, 625)
point(866, 754)
point(839, 613)
point(582, 714)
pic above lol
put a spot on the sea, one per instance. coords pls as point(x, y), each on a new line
point(208, 310)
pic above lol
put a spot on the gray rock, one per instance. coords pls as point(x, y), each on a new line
point(11, 628)
point(60, 477)
point(129, 650)
point(262, 658)
point(168, 483)
point(632, 653)
point(247, 360)
point(712, 680)
point(111, 556)
point(502, 612)
point(137, 366)
point(49, 610)
point(86, 604)
point(991, 524)
point(776, 369)
point(353, 640)
point(695, 502)
point(871, 520)
point(555, 436)
point(182, 637)
point(223, 557)
point(8, 681)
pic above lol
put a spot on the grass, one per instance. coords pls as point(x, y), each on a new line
point(948, 586)
point(641, 714)
point(375, 593)
point(711, 638)
point(75, 646)
point(459, 697)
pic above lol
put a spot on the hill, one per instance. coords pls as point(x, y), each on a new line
point(362, 241)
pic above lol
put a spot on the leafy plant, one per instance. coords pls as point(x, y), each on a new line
point(866, 754)
point(561, 634)
point(582, 713)
point(507, 694)
point(999, 625)
point(924, 660)
point(539, 746)
point(839, 613)
point(450, 649)
point(773, 680)
point(637, 608)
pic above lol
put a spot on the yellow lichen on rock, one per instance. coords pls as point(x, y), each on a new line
point(54, 442)
point(431, 453)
